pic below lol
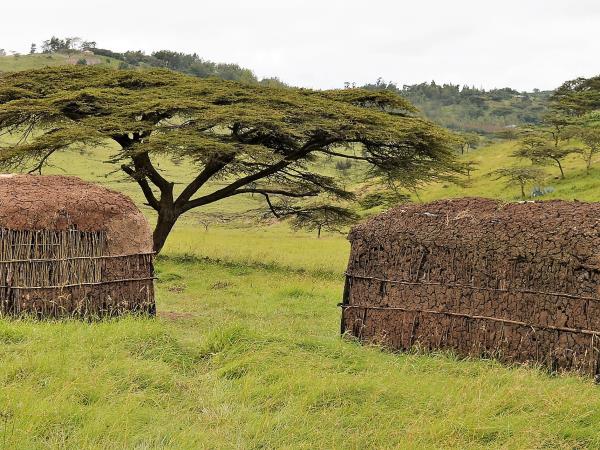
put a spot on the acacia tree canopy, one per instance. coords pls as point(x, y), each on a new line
point(254, 139)
point(577, 97)
point(518, 175)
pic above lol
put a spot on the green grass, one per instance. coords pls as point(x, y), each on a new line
point(576, 185)
point(246, 353)
point(250, 357)
point(263, 247)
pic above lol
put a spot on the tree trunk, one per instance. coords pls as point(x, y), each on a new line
point(523, 191)
point(164, 224)
point(562, 173)
point(319, 232)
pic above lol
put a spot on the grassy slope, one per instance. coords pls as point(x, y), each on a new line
point(576, 185)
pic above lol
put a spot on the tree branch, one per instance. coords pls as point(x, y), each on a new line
point(143, 183)
point(271, 205)
point(38, 167)
point(343, 155)
point(211, 168)
point(277, 192)
point(144, 167)
point(230, 190)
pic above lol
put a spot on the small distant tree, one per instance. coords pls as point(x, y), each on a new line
point(468, 141)
point(88, 45)
point(509, 134)
point(470, 166)
point(521, 176)
point(590, 138)
point(33, 49)
point(72, 44)
point(52, 45)
point(2, 52)
point(541, 150)
point(214, 218)
point(322, 218)
point(55, 44)
point(556, 124)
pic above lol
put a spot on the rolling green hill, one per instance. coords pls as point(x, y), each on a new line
point(577, 185)
point(465, 108)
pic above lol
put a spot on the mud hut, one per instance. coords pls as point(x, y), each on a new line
point(517, 282)
point(71, 248)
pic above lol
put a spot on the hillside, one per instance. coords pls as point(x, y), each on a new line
point(577, 185)
point(246, 353)
point(190, 64)
point(465, 108)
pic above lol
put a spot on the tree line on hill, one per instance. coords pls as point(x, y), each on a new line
point(466, 108)
point(188, 63)
point(571, 126)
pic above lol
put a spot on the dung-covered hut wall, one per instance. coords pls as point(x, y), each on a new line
point(518, 282)
point(72, 248)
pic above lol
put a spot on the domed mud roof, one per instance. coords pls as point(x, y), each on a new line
point(36, 202)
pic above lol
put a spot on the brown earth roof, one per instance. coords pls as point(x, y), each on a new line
point(35, 202)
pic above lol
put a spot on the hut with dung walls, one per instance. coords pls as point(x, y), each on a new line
point(519, 282)
point(72, 248)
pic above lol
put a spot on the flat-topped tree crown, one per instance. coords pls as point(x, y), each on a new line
point(577, 97)
point(258, 139)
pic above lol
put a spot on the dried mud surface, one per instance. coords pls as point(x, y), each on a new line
point(520, 282)
point(34, 202)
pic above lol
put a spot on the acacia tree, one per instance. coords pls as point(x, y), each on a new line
point(541, 151)
point(579, 100)
point(520, 176)
point(253, 139)
point(589, 135)
point(577, 97)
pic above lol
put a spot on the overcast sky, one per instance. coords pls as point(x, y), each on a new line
point(523, 44)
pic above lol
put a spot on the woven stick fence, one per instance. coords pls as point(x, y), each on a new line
point(67, 273)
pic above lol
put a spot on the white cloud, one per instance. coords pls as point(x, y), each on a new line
point(518, 43)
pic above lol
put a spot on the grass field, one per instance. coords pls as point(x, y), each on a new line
point(576, 185)
point(246, 356)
